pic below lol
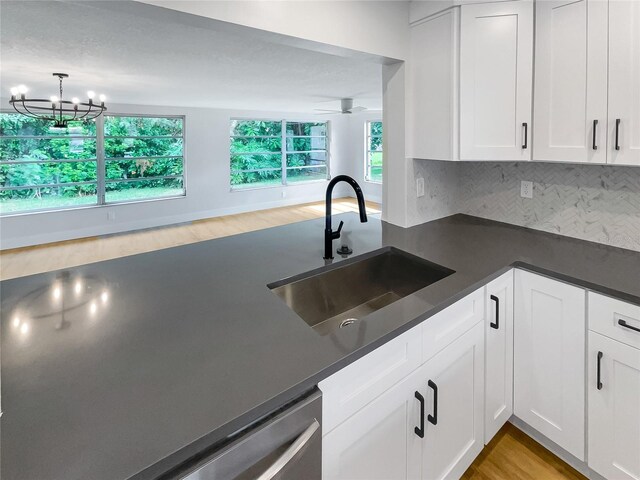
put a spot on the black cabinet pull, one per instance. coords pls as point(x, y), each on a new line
point(496, 325)
point(526, 135)
point(595, 129)
point(599, 382)
point(624, 324)
point(420, 431)
point(434, 418)
point(617, 134)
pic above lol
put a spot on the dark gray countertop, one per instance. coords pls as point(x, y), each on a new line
point(189, 344)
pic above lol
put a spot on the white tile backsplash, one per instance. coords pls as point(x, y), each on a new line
point(591, 202)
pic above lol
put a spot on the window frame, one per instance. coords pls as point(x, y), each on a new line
point(283, 152)
point(368, 151)
point(100, 161)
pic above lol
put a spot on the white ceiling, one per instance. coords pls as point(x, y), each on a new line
point(149, 60)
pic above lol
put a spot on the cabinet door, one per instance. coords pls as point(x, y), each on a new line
point(379, 441)
point(549, 367)
point(614, 408)
point(498, 375)
point(570, 110)
point(455, 380)
point(433, 133)
point(624, 82)
point(496, 76)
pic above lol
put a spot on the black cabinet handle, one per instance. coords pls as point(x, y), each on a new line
point(624, 324)
point(595, 129)
point(526, 135)
point(617, 134)
point(599, 382)
point(420, 431)
point(496, 325)
point(434, 418)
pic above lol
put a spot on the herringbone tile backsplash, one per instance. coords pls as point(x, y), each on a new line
point(596, 203)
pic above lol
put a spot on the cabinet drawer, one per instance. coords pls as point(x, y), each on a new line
point(444, 327)
point(615, 319)
point(348, 390)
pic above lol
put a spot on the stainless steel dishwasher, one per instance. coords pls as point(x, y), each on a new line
point(287, 445)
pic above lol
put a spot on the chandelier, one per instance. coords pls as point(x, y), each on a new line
point(55, 109)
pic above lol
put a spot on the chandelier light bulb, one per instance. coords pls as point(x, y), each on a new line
point(22, 89)
point(24, 328)
point(75, 100)
point(54, 99)
point(102, 97)
point(91, 94)
point(14, 91)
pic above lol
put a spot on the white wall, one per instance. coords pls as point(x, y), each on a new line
point(375, 27)
point(355, 160)
point(207, 183)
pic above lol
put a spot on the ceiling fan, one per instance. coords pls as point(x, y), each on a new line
point(346, 107)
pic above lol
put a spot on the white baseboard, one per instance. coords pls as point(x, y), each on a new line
point(143, 224)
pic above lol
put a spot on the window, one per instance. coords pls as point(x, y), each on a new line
point(256, 153)
point(143, 157)
point(45, 167)
point(42, 167)
point(373, 157)
point(306, 152)
point(267, 153)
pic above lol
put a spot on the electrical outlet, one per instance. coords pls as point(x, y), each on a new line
point(420, 187)
point(526, 189)
point(111, 216)
point(284, 193)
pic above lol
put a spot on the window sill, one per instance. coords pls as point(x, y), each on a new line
point(266, 187)
point(88, 207)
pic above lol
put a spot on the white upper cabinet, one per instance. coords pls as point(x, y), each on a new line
point(549, 359)
point(433, 90)
point(570, 100)
point(624, 82)
point(496, 76)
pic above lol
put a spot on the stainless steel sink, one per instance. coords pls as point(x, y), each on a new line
point(336, 296)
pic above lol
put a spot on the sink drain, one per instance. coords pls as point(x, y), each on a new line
point(347, 322)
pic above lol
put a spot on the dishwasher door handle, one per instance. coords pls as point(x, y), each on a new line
point(291, 452)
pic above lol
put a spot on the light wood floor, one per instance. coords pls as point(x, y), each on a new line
point(513, 455)
point(53, 256)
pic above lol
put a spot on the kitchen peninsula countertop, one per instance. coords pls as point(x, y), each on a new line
point(137, 363)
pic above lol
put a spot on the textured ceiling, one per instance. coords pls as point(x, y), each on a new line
point(140, 59)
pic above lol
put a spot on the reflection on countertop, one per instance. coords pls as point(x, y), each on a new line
point(60, 303)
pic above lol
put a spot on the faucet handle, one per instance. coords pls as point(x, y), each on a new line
point(336, 234)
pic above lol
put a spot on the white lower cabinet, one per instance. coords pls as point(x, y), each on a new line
point(424, 405)
point(427, 426)
point(498, 377)
point(454, 433)
point(614, 408)
point(549, 353)
point(379, 441)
